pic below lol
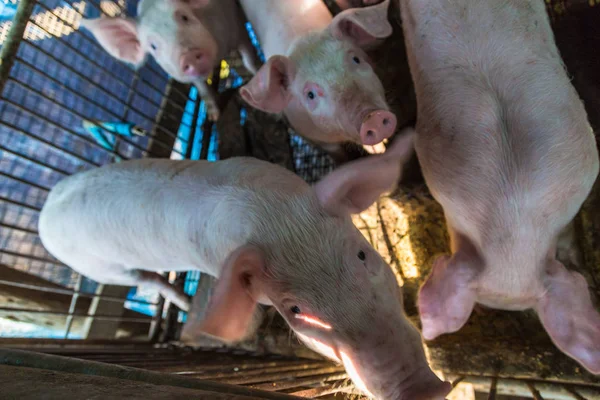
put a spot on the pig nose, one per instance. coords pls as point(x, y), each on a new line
point(194, 63)
point(376, 126)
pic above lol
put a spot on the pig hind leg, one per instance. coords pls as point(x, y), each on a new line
point(117, 274)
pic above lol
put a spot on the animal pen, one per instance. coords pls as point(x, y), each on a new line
point(67, 106)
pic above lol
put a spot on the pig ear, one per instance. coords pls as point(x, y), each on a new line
point(231, 308)
point(447, 297)
point(353, 187)
point(269, 89)
point(567, 313)
point(118, 36)
point(362, 26)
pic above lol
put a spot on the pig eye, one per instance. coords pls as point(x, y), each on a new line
point(153, 46)
point(295, 309)
point(310, 95)
point(362, 255)
point(184, 18)
point(356, 60)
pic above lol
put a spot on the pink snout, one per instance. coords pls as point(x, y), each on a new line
point(195, 63)
point(377, 126)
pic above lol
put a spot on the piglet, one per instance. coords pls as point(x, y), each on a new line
point(506, 148)
point(268, 237)
point(317, 72)
point(187, 38)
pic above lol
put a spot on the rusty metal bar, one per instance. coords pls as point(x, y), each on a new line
point(193, 369)
point(32, 160)
point(56, 363)
point(277, 386)
point(98, 317)
point(534, 392)
point(493, 384)
point(14, 39)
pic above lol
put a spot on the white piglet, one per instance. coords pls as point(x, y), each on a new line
point(187, 39)
point(269, 238)
point(506, 148)
point(317, 73)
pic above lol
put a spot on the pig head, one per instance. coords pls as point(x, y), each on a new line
point(506, 148)
point(169, 30)
point(326, 85)
point(335, 291)
point(186, 38)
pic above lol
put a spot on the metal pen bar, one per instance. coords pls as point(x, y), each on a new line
point(25, 182)
point(70, 365)
point(272, 386)
point(457, 381)
point(18, 228)
point(261, 371)
point(69, 292)
point(574, 393)
point(70, 110)
point(285, 375)
point(72, 91)
point(45, 141)
point(19, 204)
point(13, 39)
point(74, 298)
point(84, 138)
point(31, 257)
point(493, 384)
point(86, 315)
point(92, 101)
point(324, 390)
point(534, 392)
point(32, 160)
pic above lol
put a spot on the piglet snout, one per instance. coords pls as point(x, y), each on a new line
point(377, 126)
point(195, 63)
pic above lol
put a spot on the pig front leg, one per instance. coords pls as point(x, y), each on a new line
point(249, 55)
point(209, 95)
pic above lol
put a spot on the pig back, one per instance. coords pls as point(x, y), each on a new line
point(501, 129)
point(159, 214)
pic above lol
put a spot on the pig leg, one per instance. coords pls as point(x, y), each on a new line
point(447, 297)
point(567, 313)
point(249, 55)
point(116, 274)
point(208, 94)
